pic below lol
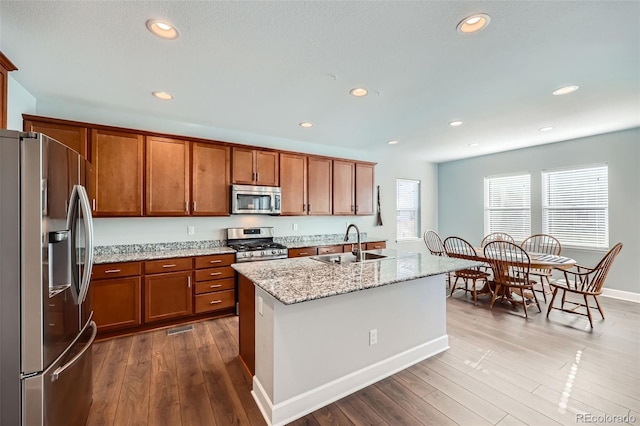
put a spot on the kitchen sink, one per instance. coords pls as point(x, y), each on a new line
point(345, 258)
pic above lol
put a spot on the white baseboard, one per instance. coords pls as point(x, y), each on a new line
point(301, 405)
point(620, 294)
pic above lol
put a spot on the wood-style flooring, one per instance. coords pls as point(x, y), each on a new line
point(500, 370)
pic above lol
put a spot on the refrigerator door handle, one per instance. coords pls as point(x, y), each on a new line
point(85, 206)
point(58, 371)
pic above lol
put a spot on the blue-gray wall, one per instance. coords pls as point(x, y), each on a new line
point(461, 194)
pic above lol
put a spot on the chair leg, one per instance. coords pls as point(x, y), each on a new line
point(537, 302)
point(564, 297)
point(475, 293)
point(453, 287)
point(553, 298)
point(586, 304)
point(544, 292)
point(495, 293)
point(599, 307)
point(524, 303)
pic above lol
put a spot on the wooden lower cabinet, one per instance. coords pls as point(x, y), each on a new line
point(302, 252)
point(215, 283)
point(167, 296)
point(116, 290)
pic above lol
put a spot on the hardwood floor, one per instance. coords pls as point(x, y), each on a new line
point(500, 370)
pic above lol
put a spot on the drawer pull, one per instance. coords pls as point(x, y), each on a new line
point(215, 286)
point(112, 271)
point(215, 302)
point(213, 274)
point(170, 265)
point(215, 261)
point(303, 252)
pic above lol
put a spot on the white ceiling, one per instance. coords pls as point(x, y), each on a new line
point(265, 66)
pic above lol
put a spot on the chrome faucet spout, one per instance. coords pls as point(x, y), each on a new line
point(358, 251)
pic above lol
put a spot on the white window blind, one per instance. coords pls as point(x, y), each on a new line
point(507, 205)
point(575, 206)
point(408, 208)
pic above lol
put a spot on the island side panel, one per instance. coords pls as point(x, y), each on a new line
point(312, 353)
point(246, 322)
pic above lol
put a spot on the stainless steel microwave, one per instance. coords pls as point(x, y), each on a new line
point(251, 199)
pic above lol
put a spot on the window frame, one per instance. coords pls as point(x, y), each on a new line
point(516, 234)
point(417, 211)
point(546, 226)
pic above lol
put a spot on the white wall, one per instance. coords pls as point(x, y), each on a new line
point(19, 102)
point(461, 194)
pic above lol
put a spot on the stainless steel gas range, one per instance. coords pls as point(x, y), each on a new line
point(254, 244)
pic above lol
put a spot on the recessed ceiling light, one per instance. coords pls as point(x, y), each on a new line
point(474, 144)
point(473, 23)
point(546, 129)
point(393, 142)
point(162, 29)
point(163, 95)
point(565, 90)
point(359, 91)
point(306, 124)
point(455, 123)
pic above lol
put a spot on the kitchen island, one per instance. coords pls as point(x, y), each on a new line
point(313, 332)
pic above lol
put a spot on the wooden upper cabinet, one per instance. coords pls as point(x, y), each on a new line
point(117, 159)
point(210, 179)
point(364, 189)
point(344, 178)
point(75, 137)
point(255, 167)
point(168, 177)
point(5, 68)
point(320, 188)
point(293, 181)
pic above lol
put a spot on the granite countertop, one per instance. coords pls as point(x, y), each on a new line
point(301, 279)
point(159, 254)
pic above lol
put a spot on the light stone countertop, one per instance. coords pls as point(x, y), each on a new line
point(297, 280)
point(159, 254)
point(328, 242)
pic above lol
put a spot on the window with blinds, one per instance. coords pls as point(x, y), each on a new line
point(507, 205)
point(575, 206)
point(408, 208)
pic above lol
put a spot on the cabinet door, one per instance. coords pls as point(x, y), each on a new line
point(364, 189)
point(210, 179)
point(168, 177)
point(343, 187)
point(167, 296)
point(117, 160)
point(116, 303)
point(243, 170)
point(75, 137)
point(267, 168)
point(320, 180)
point(293, 181)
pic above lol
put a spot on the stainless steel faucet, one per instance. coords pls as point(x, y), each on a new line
point(358, 251)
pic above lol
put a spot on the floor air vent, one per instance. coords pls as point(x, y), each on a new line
point(178, 330)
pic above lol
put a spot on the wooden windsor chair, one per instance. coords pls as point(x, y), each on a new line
point(547, 244)
point(460, 248)
point(583, 281)
point(436, 247)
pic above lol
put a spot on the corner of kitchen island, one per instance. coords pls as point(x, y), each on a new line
point(305, 327)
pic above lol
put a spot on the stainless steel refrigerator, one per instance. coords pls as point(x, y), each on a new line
point(46, 255)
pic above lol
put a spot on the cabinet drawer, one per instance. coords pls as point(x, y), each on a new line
point(301, 252)
point(116, 270)
point(218, 285)
point(215, 260)
point(167, 265)
point(214, 274)
point(330, 249)
point(214, 301)
point(376, 245)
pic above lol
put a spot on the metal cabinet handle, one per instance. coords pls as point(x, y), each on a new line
point(213, 274)
point(93, 204)
point(112, 271)
point(56, 374)
point(215, 302)
point(186, 206)
point(303, 252)
point(189, 281)
point(257, 176)
point(215, 286)
point(169, 265)
point(215, 261)
point(194, 206)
